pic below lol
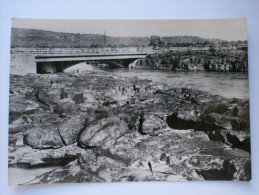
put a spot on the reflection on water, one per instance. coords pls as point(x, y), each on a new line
point(227, 84)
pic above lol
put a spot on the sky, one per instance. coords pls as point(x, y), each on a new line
point(226, 29)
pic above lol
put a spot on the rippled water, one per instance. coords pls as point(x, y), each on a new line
point(227, 84)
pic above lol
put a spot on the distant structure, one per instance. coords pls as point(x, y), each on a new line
point(104, 39)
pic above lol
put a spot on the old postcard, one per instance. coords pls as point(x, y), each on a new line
point(128, 100)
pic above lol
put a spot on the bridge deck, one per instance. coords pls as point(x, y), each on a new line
point(88, 57)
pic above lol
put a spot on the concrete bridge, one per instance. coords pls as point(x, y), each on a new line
point(51, 60)
point(58, 63)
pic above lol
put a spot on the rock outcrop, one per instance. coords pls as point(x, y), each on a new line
point(233, 60)
point(100, 128)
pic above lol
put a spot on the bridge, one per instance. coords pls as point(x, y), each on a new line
point(58, 63)
point(52, 60)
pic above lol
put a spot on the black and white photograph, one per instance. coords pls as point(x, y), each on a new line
point(128, 100)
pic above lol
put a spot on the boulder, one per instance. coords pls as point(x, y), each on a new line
point(243, 111)
point(240, 141)
point(221, 120)
point(87, 157)
point(43, 137)
point(228, 122)
point(152, 124)
point(19, 107)
point(218, 136)
point(103, 132)
point(176, 122)
point(240, 125)
point(79, 98)
point(236, 139)
point(44, 98)
point(90, 98)
point(63, 94)
point(215, 107)
point(66, 106)
point(119, 93)
point(70, 128)
point(225, 173)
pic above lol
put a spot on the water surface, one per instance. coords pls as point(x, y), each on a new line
point(226, 84)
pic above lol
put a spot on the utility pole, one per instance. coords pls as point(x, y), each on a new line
point(104, 39)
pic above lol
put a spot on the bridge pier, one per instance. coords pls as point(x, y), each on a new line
point(49, 67)
point(54, 67)
point(21, 64)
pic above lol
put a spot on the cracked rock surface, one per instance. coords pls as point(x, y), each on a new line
point(98, 127)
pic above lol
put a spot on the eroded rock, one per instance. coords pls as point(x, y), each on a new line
point(123, 124)
point(153, 124)
point(44, 98)
point(103, 132)
point(70, 129)
point(175, 122)
point(43, 137)
point(79, 98)
point(66, 106)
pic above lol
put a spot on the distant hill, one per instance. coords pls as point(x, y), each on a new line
point(190, 41)
point(40, 38)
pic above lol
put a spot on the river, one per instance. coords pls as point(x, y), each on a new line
point(226, 84)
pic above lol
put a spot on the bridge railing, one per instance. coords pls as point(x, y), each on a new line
point(108, 50)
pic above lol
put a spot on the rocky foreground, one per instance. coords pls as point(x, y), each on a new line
point(98, 127)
